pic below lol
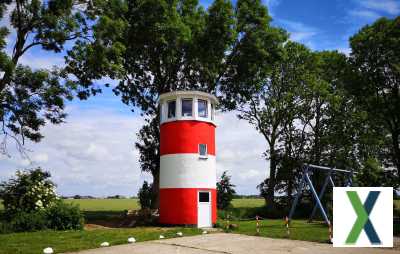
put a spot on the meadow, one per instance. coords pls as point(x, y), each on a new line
point(109, 209)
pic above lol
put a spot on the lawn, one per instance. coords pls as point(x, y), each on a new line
point(65, 241)
point(299, 229)
point(109, 209)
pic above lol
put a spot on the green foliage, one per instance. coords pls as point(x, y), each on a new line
point(225, 191)
point(30, 203)
point(31, 98)
point(63, 216)
point(155, 46)
point(375, 59)
point(30, 191)
point(28, 221)
point(148, 145)
point(372, 174)
point(146, 195)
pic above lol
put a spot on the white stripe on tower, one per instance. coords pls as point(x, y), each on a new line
point(187, 171)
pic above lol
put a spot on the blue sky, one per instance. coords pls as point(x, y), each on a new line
point(93, 152)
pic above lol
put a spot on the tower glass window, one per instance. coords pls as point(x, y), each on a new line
point(171, 109)
point(187, 106)
point(202, 108)
point(203, 150)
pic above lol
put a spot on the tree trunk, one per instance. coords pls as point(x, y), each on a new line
point(396, 150)
point(270, 194)
point(156, 189)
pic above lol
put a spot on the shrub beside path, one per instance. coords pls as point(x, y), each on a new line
point(235, 244)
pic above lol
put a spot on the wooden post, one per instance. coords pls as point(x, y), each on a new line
point(227, 221)
point(330, 232)
point(287, 227)
point(257, 226)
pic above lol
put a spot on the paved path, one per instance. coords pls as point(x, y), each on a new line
point(221, 243)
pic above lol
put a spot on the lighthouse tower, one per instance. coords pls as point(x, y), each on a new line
point(187, 161)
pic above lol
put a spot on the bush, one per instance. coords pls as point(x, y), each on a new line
point(62, 216)
point(225, 191)
point(29, 191)
point(145, 195)
point(30, 204)
point(28, 221)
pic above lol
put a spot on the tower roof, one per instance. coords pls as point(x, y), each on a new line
point(174, 94)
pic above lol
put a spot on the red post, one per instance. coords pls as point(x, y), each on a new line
point(287, 227)
point(257, 226)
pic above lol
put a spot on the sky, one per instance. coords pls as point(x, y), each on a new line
point(93, 152)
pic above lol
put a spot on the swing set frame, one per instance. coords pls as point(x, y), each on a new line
point(308, 170)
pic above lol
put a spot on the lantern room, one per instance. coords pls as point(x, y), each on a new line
point(187, 159)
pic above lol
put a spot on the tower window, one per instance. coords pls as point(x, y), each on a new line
point(171, 109)
point(187, 105)
point(203, 150)
point(202, 108)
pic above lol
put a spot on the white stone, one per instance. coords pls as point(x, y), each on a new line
point(131, 240)
point(48, 250)
point(179, 234)
point(162, 237)
point(204, 232)
point(104, 244)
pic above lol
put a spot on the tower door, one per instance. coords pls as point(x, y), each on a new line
point(204, 209)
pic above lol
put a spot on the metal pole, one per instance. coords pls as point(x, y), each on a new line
point(321, 194)
point(316, 198)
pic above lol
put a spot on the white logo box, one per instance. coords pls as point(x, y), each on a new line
point(344, 216)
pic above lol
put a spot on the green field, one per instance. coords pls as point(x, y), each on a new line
point(132, 204)
point(105, 204)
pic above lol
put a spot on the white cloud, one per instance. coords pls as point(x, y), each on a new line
point(370, 10)
point(386, 6)
point(365, 14)
point(299, 31)
point(41, 59)
point(93, 153)
point(239, 151)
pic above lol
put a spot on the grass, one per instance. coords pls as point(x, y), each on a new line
point(105, 204)
point(109, 209)
point(247, 202)
point(299, 229)
point(65, 241)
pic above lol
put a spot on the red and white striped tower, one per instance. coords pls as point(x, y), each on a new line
point(187, 161)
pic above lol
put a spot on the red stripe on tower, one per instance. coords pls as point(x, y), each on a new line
point(187, 161)
point(185, 137)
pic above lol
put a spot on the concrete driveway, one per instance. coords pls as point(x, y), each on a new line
point(231, 243)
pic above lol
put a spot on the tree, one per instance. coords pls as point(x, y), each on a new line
point(149, 148)
point(375, 58)
point(225, 191)
point(146, 195)
point(29, 98)
point(155, 46)
point(272, 106)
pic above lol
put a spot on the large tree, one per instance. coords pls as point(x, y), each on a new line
point(155, 46)
point(375, 57)
point(273, 107)
point(29, 98)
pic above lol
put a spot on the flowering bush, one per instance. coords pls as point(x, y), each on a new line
point(30, 203)
point(29, 191)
